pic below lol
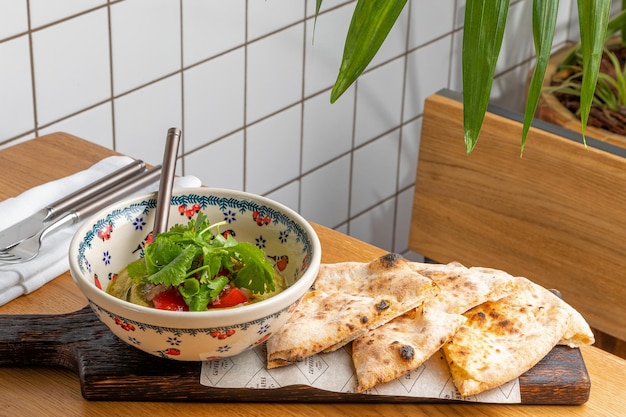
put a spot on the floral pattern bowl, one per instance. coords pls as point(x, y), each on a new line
point(117, 235)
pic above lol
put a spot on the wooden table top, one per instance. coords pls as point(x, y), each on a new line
point(56, 391)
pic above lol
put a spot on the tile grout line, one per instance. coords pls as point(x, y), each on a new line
point(302, 94)
point(33, 83)
point(245, 98)
point(181, 160)
point(111, 78)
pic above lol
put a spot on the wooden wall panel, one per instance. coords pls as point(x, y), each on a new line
point(556, 215)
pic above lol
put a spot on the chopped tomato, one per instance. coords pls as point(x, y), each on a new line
point(229, 297)
point(170, 299)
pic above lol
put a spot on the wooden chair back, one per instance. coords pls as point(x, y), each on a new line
point(556, 214)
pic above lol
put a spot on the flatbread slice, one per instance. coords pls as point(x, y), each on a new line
point(349, 299)
point(578, 333)
point(503, 339)
point(402, 345)
point(323, 320)
point(462, 288)
point(390, 274)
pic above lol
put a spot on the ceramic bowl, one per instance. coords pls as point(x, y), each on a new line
point(117, 235)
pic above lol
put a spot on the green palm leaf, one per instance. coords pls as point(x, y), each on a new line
point(544, 22)
point(484, 26)
point(371, 22)
point(593, 17)
point(482, 39)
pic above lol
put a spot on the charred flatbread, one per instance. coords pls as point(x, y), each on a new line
point(503, 339)
point(390, 274)
point(462, 288)
point(351, 299)
point(318, 323)
point(402, 345)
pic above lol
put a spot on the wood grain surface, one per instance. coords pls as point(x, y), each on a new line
point(56, 391)
point(111, 370)
point(556, 214)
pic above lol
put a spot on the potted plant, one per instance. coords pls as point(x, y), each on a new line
point(484, 26)
point(560, 98)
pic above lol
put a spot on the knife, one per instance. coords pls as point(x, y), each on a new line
point(32, 224)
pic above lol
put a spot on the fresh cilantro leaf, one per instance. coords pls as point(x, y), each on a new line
point(160, 253)
point(189, 287)
point(201, 223)
point(213, 259)
point(206, 293)
point(257, 274)
point(193, 259)
point(174, 272)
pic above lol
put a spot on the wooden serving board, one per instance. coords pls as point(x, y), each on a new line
point(111, 370)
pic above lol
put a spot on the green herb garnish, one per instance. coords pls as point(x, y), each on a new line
point(193, 259)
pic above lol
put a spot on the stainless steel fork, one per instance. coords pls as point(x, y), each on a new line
point(27, 249)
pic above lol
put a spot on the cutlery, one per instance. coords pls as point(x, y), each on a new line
point(28, 248)
point(34, 223)
point(167, 181)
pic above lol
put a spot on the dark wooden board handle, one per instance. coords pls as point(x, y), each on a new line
point(109, 369)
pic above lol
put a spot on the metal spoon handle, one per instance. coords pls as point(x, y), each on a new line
point(167, 180)
point(117, 192)
point(95, 189)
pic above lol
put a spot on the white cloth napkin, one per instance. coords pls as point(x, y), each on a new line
point(52, 261)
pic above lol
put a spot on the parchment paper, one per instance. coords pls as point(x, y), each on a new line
point(334, 372)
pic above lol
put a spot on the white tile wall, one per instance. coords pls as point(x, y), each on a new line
point(43, 12)
point(71, 72)
point(375, 225)
point(274, 72)
point(143, 117)
point(426, 27)
point(323, 51)
point(404, 207)
point(13, 18)
point(325, 193)
point(249, 83)
point(327, 129)
point(95, 124)
point(265, 17)
point(273, 151)
point(16, 99)
point(287, 195)
point(211, 27)
point(214, 103)
point(145, 42)
point(409, 151)
point(374, 172)
point(379, 101)
point(220, 164)
point(428, 68)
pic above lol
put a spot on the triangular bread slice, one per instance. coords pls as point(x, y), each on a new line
point(462, 288)
point(390, 274)
point(323, 321)
point(349, 299)
point(402, 345)
point(503, 339)
point(380, 355)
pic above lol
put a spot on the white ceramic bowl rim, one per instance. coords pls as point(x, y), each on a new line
point(304, 230)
